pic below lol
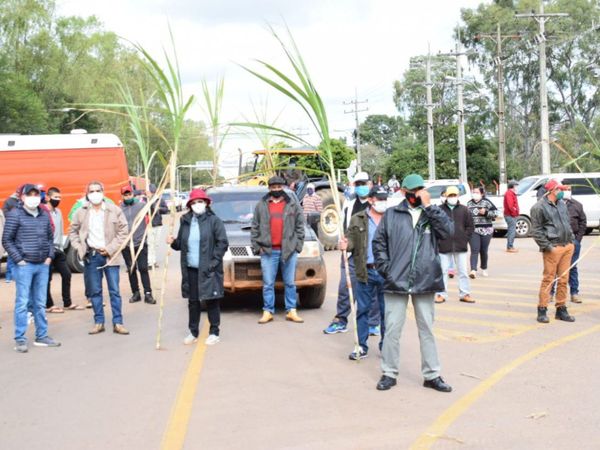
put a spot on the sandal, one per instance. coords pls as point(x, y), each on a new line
point(75, 308)
point(55, 310)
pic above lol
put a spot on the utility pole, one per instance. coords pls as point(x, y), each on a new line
point(430, 141)
point(499, 39)
point(541, 19)
point(355, 111)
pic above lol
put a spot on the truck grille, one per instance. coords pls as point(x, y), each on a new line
point(240, 251)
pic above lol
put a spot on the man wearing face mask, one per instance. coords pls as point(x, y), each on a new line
point(132, 208)
point(277, 235)
point(312, 206)
point(511, 212)
point(28, 239)
point(358, 241)
point(551, 230)
point(97, 232)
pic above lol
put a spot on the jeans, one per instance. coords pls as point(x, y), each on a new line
point(480, 245)
point(367, 294)
point(270, 265)
point(141, 265)
point(343, 300)
point(10, 269)
point(93, 277)
point(212, 307)
point(32, 284)
point(511, 231)
point(60, 264)
point(460, 262)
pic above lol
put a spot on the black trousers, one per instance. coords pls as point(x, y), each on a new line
point(213, 307)
point(59, 263)
point(479, 247)
point(141, 265)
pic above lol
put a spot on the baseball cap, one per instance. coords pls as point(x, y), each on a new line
point(276, 180)
point(361, 176)
point(413, 181)
point(553, 184)
point(126, 188)
point(28, 188)
point(452, 190)
point(379, 193)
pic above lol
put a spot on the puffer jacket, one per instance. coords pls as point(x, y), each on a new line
point(213, 245)
point(406, 256)
point(457, 242)
point(550, 224)
point(27, 237)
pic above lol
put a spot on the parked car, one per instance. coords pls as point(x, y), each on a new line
point(435, 189)
point(242, 270)
point(173, 199)
point(585, 188)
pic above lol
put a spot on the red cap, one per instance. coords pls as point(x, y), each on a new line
point(554, 184)
point(198, 194)
point(126, 188)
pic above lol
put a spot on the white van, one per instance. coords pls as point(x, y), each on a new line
point(435, 189)
point(585, 188)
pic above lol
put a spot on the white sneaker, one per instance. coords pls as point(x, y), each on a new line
point(190, 339)
point(484, 273)
point(473, 274)
point(212, 339)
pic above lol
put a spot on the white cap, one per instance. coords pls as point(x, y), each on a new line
point(361, 176)
point(310, 185)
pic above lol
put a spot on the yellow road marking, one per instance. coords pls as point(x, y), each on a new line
point(174, 436)
point(449, 416)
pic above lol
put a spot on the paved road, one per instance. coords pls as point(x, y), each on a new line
point(517, 384)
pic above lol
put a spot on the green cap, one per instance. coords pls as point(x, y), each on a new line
point(413, 181)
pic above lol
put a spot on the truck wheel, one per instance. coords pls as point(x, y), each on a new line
point(73, 261)
point(523, 227)
point(328, 224)
point(312, 297)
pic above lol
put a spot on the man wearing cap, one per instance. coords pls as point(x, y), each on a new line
point(277, 235)
point(312, 205)
point(453, 249)
point(551, 230)
point(406, 256)
point(358, 241)
point(511, 212)
point(98, 230)
point(28, 238)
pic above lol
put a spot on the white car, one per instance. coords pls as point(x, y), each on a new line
point(435, 189)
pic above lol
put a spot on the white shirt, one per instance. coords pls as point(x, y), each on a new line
point(416, 214)
point(95, 237)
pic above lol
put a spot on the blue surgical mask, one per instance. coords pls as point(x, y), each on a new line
point(310, 191)
point(362, 191)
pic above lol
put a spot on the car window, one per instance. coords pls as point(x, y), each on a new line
point(525, 184)
point(581, 186)
point(234, 206)
point(436, 191)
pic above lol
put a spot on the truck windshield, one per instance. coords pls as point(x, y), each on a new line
point(525, 184)
point(232, 207)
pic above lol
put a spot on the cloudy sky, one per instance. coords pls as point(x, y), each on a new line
point(347, 44)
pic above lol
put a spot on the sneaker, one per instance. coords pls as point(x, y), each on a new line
point(212, 339)
point(336, 327)
point(293, 316)
point(190, 339)
point(374, 331)
point(88, 305)
point(473, 274)
point(484, 273)
point(354, 356)
point(467, 299)
point(439, 298)
point(21, 347)
point(266, 318)
point(46, 342)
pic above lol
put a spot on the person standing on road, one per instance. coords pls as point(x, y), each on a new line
point(312, 205)
point(9, 204)
point(97, 232)
point(405, 247)
point(578, 221)
point(28, 239)
point(393, 184)
point(511, 212)
point(202, 241)
point(453, 248)
point(358, 241)
point(551, 230)
point(483, 212)
point(132, 209)
point(158, 209)
point(277, 235)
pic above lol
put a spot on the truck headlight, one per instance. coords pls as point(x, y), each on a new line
point(310, 249)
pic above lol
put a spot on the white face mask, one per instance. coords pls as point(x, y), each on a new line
point(199, 208)
point(32, 202)
point(476, 197)
point(452, 201)
point(380, 206)
point(567, 195)
point(96, 197)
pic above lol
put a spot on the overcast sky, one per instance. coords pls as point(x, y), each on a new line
point(347, 45)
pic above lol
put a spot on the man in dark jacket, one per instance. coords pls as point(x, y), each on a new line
point(28, 239)
point(578, 221)
point(511, 212)
point(278, 236)
point(132, 209)
point(454, 248)
point(551, 230)
point(406, 255)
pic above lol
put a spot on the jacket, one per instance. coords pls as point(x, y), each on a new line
point(293, 228)
point(115, 230)
point(27, 237)
point(349, 207)
point(511, 204)
point(486, 220)
point(1, 231)
point(577, 218)
point(406, 256)
point(162, 207)
point(213, 245)
point(10, 203)
point(131, 212)
point(358, 243)
point(550, 224)
point(457, 242)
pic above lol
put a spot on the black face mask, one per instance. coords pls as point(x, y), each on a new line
point(54, 203)
point(276, 194)
point(412, 198)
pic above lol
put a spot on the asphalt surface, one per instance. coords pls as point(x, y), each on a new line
point(517, 383)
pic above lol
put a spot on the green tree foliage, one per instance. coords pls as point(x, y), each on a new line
point(342, 157)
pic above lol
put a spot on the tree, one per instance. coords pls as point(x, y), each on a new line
point(342, 157)
point(381, 131)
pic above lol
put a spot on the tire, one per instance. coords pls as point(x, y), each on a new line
point(312, 297)
point(523, 227)
point(328, 224)
point(73, 261)
point(589, 231)
point(499, 233)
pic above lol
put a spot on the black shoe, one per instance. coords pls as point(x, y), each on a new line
point(136, 297)
point(386, 383)
point(542, 317)
point(438, 384)
point(149, 299)
point(563, 314)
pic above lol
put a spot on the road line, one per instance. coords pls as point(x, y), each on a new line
point(483, 323)
point(450, 415)
point(482, 312)
point(174, 436)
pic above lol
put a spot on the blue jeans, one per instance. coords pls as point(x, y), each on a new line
point(343, 300)
point(367, 294)
point(459, 260)
point(511, 231)
point(93, 277)
point(10, 269)
point(574, 273)
point(32, 284)
point(270, 265)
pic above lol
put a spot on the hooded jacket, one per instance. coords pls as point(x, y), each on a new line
point(457, 242)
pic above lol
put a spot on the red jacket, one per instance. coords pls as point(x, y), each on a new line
point(511, 204)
